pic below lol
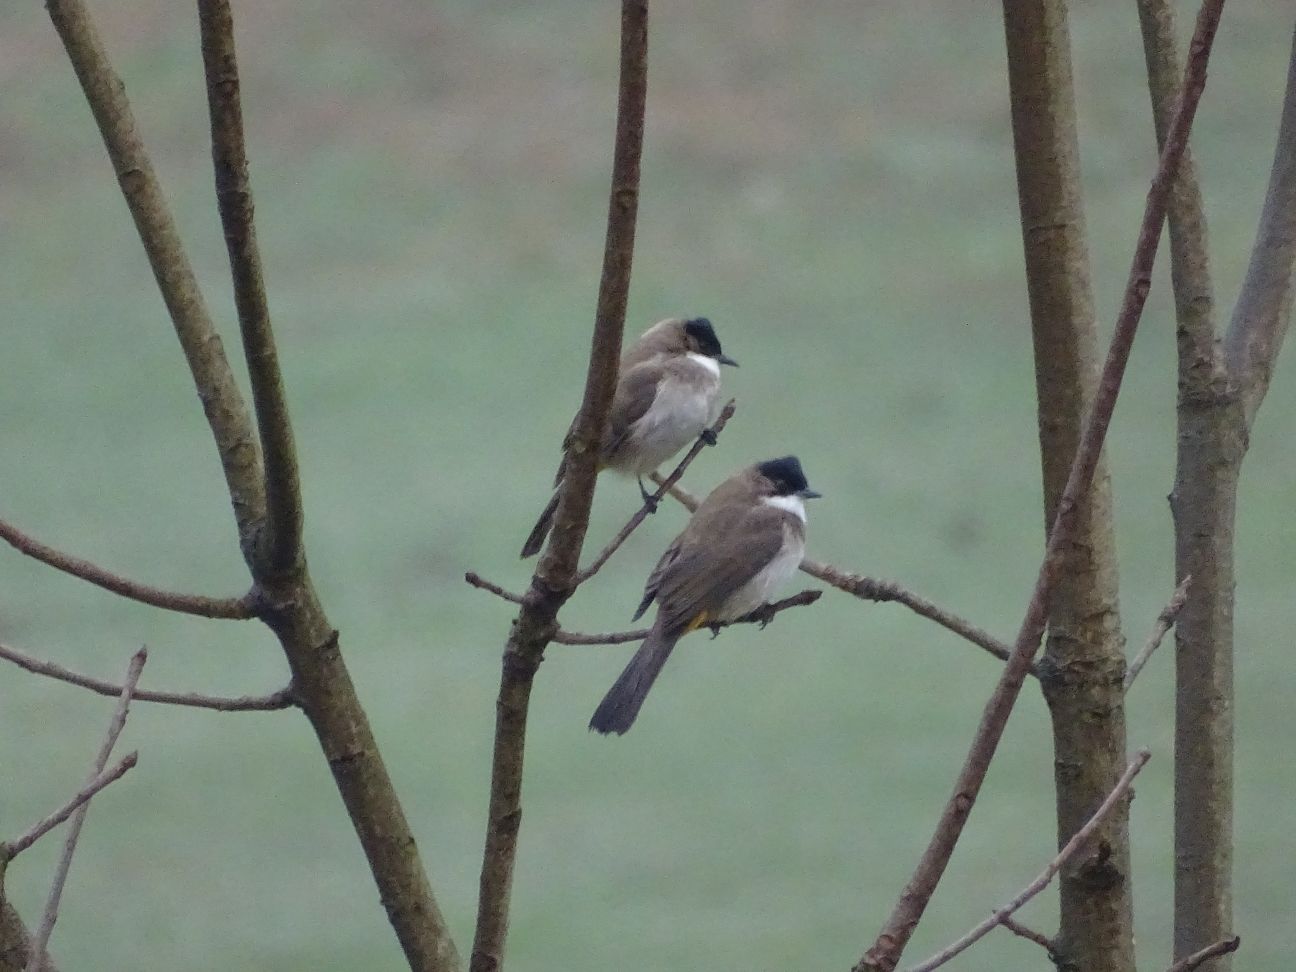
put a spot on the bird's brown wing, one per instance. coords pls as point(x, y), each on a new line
point(655, 578)
point(635, 391)
point(714, 561)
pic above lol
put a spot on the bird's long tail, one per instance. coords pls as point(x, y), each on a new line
point(616, 713)
point(541, 530)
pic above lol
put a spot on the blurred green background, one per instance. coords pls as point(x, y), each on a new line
point(833, 185)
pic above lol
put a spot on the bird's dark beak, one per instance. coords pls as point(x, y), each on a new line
point(725, 359)
point(809, 494)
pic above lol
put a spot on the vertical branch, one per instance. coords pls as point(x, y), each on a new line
point(222, 402)
point(537, 621)
point(279, 546)
point(908, 911)
point(1081, 672)
point(1215, 418)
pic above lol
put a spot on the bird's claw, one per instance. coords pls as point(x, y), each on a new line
point(715, 631)
point(708, 436)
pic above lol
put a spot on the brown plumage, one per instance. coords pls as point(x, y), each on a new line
point(746, 538)
point(667, 392)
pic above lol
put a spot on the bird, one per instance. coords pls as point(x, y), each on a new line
point(667, 395)
point(744, 541)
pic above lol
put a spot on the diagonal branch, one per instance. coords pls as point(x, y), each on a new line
point(232, 608)
point(871, 589)
point(283, 699)
point(552, 583)
point(663, 488)
point(1263, 310)
point(1071, 848)
point(895, 934)
point(115, 725)
point(1164, 622)
point(1222, 947)
point(280, 546)
point(11, 849)
point(222, 401)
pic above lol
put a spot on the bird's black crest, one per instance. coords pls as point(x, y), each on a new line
point(701, 331)
point(785, 474)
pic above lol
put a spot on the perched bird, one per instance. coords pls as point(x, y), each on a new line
point(746, 539)
point(667, 394)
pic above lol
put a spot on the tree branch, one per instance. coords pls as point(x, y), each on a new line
point(663, 488)
point(552, 583)
point(1164, 622)
point(11, 849)
point(895, 934)
point(1189, 254)
point(222, 402)
point(1263, 310)
point(40, 940)
point(231, 608)
point(283, 699)
point(1030, 934)
point(1190, 962)
point(871, 589)
point(762, 615)
point(280, 546)
point(1068, 851)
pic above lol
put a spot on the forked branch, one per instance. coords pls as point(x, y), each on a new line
point(1069, 850)
point(11, 849)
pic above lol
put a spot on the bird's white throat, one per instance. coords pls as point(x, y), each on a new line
point(710, 364)
point(793, 504)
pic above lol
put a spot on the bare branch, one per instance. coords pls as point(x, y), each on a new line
point(1189, 254)
point(1164, 622)
point(762, 615)
point(40, 940)
point(895, 934)
point(280, 546)
point(13, 848)
point(552, 583)
point(283, 699)
point(1068, 851)
point(871, 589)
point(1030, 934)
point(1263, 310)
point(232, 608)
point(1190, 962)
point(663, 487)
point(222, 402)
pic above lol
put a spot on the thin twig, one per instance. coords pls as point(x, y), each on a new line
point(871, 589)
point(41, 939)
point(233, 608)
point(762, 615)
point(11, 849)
point(551, 584)
point(1030, 934)
point(283, 699)
point(1164, 622)
point(281, 540)
point(1223, 947)
point(1068, 851)
point(223, 404)
point(885, 952)
point(663, 488)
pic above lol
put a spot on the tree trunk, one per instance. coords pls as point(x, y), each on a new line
point(1083, 665)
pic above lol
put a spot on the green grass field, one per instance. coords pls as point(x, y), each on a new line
point(832, 185)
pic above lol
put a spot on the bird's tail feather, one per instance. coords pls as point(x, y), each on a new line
point(617, 712)
point(541, 530)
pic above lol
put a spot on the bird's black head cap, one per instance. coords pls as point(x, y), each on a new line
point(704, 336)
point(787, 477)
